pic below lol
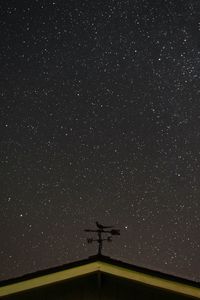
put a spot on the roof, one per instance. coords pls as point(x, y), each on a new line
point(104, 264)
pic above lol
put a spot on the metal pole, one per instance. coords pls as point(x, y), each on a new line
point(100, 242)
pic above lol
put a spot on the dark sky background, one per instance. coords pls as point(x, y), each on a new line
point(100, 120)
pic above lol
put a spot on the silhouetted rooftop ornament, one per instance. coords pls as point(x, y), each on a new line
point(101, 229)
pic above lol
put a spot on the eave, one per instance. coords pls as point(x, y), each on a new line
point(104, 265)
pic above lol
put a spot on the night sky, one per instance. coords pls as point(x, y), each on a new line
point(100, 120)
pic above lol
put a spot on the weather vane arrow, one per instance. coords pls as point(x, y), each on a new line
point(101, 230)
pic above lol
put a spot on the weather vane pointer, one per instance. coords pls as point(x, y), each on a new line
point(107, 231)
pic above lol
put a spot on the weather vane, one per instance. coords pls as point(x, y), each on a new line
point(101, 229)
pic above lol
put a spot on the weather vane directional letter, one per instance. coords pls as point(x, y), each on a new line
point(101, 229)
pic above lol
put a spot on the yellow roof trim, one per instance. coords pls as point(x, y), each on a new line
point(49, 278)
point(151, 280)
point(106, 268)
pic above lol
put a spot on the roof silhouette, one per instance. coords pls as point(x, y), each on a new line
point(101, 258)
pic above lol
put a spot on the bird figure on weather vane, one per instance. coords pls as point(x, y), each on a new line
point(108, 231)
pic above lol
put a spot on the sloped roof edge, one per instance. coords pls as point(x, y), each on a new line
point(103, 264)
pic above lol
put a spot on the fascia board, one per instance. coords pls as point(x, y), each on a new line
point(104, 267)
point(48, 279)
point(151, 280)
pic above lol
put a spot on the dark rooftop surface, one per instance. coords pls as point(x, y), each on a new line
point(101, 258)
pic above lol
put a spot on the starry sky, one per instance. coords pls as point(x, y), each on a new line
point(100, 120)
